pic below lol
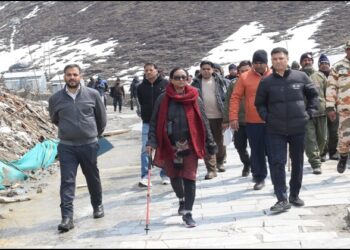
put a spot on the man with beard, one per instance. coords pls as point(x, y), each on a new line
point(316, 128)
point(80, 115)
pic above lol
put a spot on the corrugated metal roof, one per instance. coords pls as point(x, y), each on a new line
point(37, 73)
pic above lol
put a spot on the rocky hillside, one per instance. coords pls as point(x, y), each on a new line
point(168, 33)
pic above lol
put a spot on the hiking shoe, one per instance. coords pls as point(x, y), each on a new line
point(221, 168)
point(245, 171)
point(98, 212)
point(189, 222)
point(296, 201)
point(323, 158)
point(281, 206)
point(144, 182)
point(342, 164)
point(181, 210)
point(259, 185)
point(210, 175)
point(317, 170)
point(165, 180)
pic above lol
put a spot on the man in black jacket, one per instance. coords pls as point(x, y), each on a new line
point(148, 91)
point(280, 102)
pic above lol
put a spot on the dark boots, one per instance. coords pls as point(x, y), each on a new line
point(342, 164)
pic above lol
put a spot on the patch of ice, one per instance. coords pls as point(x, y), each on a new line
point(32, 13)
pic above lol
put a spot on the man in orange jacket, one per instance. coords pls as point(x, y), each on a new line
point(246, 87)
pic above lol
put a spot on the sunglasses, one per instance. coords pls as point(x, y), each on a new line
point(178, 78)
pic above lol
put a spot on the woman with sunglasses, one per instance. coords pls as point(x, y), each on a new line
point(180, 133)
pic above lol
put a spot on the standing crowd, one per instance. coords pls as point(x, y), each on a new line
point(279, 110)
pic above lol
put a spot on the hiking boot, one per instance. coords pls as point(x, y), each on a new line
point(323, 158)
point(210, 175)
point(281, 206)
point(181, 210)
point(66, 224)
point(342, 164)
point(334, 157)
point(317, 170)
point(221, 168)
point(165, 180)
point(259, 185)
point(144, 182)
point(189, 222)
point(296, 201)
point(99, 212)
point(245, 171)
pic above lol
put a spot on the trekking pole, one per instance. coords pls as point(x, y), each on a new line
point(148, 193)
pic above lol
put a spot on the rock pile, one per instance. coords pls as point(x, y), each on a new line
point(23, 124)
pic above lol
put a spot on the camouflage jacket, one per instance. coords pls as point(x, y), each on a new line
point(338, 90)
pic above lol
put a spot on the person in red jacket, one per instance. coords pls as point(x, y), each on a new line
point(246, 87)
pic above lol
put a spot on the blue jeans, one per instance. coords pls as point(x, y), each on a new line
point(144, 154)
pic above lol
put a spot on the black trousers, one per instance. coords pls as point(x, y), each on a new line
point(240, 140)
point(184, 188)
point(70, 157)
point(277, 153)
point(332, 143)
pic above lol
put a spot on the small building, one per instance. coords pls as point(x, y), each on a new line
point(34, 80)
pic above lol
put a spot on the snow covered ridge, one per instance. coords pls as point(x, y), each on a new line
point(56, 53)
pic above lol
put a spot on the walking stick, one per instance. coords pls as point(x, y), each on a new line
point(148, 193)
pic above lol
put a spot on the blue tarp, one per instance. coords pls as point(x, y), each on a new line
point(41, 156)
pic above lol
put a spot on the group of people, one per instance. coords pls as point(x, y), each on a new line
point(183, 121)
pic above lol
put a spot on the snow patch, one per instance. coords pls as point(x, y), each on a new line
point(32, 13)
point(84, 9)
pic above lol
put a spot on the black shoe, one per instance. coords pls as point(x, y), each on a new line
point(323, 158)
point(317, 170)
point(281, 206)
point(66, 224)
point(98, 212)
point(181, 209)
point(189, 222)
point(296, 201)
point(259, 185)
point(245, 171)
point(221, 168)
point(342, 164)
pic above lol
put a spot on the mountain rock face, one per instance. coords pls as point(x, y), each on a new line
point(167, 33)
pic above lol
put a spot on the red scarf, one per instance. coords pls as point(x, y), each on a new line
point(194, 120)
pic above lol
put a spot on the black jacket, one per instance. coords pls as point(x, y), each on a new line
point(147, 95)
point(178, 125)
point(280, 102)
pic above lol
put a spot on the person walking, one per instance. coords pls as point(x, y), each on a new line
point(133, 94)
point(180, 133)
point(148, 91)
point(240, 138)
point(338, 100)
point(118, 95)
point(246, 87)
point(324, 66)
point(212, 89)
point(80, 115)
point(316, 128)
point(280, 102)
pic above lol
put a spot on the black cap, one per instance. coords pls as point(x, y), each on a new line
point(260, 56)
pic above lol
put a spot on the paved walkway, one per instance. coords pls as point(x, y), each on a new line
point(229, 213)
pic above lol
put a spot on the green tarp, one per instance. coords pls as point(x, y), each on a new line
point(41, 156)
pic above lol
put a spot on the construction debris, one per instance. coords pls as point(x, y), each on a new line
point(23, 124)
